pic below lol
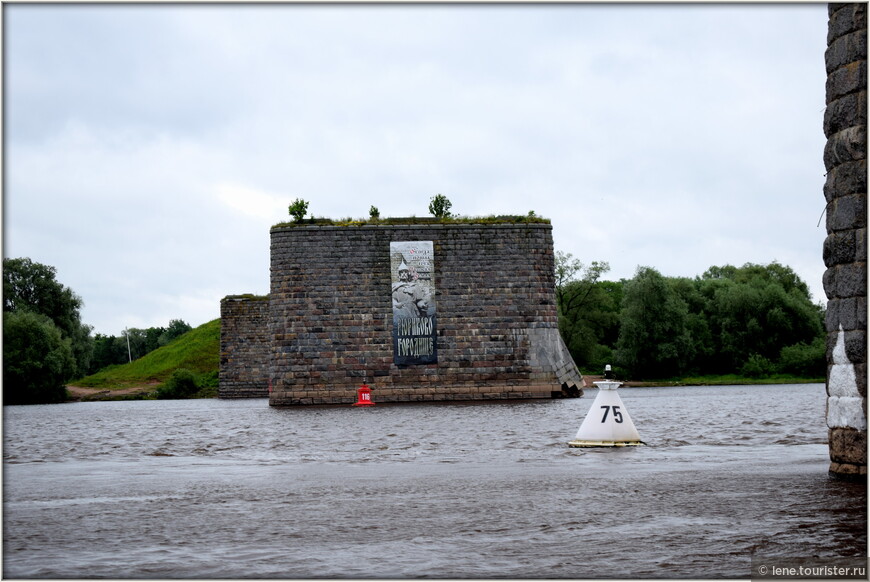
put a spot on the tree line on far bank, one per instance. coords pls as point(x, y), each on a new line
point(753, 321)
point(45, 343)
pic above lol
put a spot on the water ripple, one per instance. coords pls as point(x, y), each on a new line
point(236, 489)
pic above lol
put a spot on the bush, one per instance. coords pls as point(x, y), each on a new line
point(182, 384)
point(806, 360)
point(439, 206)
point(209, 379)
point(298, 209)
point(757, 366)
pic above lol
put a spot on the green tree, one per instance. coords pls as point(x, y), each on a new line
point(298, 208)
point(33, 287)
point(611, 293)
point(758, 319)
point(138, 342)
point(37, 359)
point(566, 268)
point(587, 310)
point(152, 338)
point(109, 350)
point(757, 310)
point(697, 324)
point(654, 341)
point(176, 328)
point(439, 206)
point(781, 275)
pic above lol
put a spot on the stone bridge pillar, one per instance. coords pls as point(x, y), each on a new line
point(845, 248)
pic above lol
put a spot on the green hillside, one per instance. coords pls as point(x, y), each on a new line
point(198, 351)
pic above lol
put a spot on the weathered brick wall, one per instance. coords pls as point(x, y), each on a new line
point(845, 248)
point(331, 314)
point(245, 353)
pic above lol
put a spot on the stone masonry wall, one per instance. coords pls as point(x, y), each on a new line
point(245, 353)
point(331, 315)
point(845, 248)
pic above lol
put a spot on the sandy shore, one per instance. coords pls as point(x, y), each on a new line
point(80, 393)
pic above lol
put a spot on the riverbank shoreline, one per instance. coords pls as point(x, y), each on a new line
point(589, 381)
point(139, 392)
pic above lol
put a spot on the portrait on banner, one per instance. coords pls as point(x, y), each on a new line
point(412, 265)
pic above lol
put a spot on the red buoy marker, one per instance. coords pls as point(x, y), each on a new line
point(364, 396)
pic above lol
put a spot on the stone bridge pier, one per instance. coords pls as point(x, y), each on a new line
point(845, 248)
point(421, 310)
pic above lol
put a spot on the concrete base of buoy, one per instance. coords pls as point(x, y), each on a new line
point(588, 444)
point(607, 424)
point(364, 396)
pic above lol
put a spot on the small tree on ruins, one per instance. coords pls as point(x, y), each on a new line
point(439, 206)
point(298, 209)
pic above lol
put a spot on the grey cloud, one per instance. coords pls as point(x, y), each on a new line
point(675, 136)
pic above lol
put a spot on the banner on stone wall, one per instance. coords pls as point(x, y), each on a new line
point(412, 265)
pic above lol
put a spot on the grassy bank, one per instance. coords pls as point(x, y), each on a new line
point(735, 379)
point(721, 380)
point(198, 351)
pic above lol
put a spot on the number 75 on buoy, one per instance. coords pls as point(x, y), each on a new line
point(607, 424)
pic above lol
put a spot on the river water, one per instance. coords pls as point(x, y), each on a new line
point(237, 489)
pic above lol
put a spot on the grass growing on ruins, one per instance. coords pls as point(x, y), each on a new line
point(197, 350)
point(530, 218)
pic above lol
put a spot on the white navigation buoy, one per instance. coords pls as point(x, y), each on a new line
point(607, 424)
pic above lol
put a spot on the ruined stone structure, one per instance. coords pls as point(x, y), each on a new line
point(845, 248)
point(245, 342)
point(482, 325)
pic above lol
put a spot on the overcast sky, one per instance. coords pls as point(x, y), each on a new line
point(149, 148)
